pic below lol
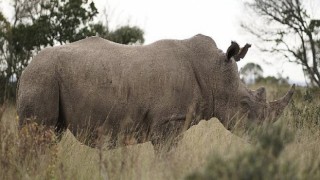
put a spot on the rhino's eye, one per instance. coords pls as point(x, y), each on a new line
point(245, 104)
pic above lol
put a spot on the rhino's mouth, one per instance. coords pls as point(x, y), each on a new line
point(255, 113)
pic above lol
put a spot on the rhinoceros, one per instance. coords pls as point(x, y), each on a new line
point(136, 94)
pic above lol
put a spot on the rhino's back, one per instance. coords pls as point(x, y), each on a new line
point(100, 59)
point(171, 50)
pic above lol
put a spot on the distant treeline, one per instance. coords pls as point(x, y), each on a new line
point(40, 23)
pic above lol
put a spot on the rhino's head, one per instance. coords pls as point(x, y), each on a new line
point(235, 101)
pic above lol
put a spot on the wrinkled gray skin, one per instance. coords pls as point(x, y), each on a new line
point(144, 93)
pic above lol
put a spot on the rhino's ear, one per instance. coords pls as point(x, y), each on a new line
point(232, 50)
point(242, 53)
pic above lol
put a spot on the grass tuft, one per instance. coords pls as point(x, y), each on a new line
point(288, 149)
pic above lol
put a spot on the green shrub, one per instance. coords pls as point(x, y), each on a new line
point(261, 162)
point(305, 114)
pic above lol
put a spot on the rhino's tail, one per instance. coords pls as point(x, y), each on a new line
point(61, 124)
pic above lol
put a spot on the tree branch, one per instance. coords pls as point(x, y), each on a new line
point(291, 19)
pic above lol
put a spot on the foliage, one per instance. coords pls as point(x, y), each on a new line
point(290, 31)
point(262, 162)
point(41, 23)
point(307, 116)
point(251, 72)
point(127, 35)
point(272, 80)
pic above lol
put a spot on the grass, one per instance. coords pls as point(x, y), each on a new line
point(289, 149)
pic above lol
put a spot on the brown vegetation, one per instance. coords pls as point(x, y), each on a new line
point(206, 148)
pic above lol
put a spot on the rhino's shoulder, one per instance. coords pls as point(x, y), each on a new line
point(197, 41)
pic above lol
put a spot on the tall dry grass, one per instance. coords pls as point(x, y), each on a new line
point(287, 150)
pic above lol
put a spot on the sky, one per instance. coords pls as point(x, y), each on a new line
point(181, 19)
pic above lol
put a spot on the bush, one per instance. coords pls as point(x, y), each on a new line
point(272, 80)
point(29, 153)
point(261, 162)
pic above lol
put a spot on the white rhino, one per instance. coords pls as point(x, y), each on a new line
point(140, 93)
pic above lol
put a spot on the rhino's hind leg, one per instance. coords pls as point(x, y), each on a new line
point(39, 103)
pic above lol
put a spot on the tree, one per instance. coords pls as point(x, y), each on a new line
point(41, 23)
point(287, 22)
point(123, 35)
point(251, 72)
point(273, 80)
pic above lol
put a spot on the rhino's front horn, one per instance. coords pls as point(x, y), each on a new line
point(277, 107)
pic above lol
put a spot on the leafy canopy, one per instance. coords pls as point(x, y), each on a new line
point(41, 23)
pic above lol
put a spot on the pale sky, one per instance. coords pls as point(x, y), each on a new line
point(181, 19)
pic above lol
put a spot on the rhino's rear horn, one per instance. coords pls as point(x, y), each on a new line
point(232, 50)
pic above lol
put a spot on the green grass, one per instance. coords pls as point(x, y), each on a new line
point(289, 149)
